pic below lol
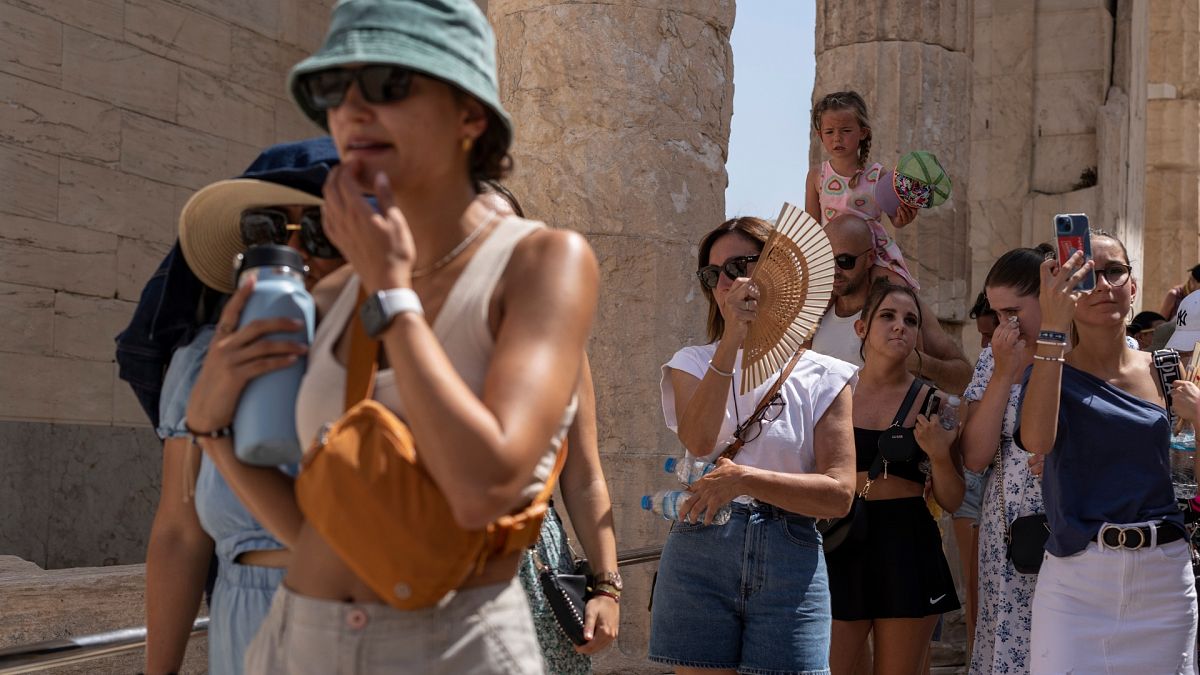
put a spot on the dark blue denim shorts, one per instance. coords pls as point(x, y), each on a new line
point(750, 595)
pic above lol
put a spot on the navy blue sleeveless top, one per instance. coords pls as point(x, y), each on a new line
point(1110, 462)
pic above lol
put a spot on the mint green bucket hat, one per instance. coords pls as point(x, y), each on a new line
point(449, 40)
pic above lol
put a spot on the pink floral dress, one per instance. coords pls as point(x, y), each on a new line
point(837, 198)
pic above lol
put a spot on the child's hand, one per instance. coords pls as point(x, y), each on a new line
point(904, 215)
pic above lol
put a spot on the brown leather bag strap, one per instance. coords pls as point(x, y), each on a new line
point(363, 360)
point(733, 448)
point(548, 489)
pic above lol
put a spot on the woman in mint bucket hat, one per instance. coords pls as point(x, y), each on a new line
point(485, 382)
point(449, 40)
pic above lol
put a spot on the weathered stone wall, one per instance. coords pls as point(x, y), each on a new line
point(1172, 147)
point(1056, 104)
point(623, 113)
point(114, 112)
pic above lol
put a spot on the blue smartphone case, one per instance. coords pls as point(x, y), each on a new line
point(1071, 233)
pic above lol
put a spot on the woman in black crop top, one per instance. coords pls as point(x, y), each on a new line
point(895, 581)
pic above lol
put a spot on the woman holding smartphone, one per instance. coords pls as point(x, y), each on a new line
point(1116, 591)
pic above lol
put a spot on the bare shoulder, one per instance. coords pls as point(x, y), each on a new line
point(550, 254)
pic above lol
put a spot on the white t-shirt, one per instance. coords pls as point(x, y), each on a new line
point(786, 444)
point(836, 337)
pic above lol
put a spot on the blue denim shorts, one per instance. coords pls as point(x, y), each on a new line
point(972, 502)
point(750, 595)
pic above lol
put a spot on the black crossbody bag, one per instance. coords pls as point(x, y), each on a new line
point(852, 527)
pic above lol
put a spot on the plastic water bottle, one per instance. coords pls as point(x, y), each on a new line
point(948, 415)
point(264, 426)
point(1183, 451)
point(689, 470)
point(666, 503)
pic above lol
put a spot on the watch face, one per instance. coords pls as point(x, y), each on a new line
point(372, 315)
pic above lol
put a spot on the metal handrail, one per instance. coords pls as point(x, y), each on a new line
point(39, 656)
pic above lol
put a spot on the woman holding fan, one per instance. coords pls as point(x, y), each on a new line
point(719, 606)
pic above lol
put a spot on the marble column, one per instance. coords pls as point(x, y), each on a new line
point(622, 116)
point(910, 59)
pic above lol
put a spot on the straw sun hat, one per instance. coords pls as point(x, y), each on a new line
point(209, 225)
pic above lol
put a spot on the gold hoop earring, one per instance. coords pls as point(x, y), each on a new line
point(466, 144)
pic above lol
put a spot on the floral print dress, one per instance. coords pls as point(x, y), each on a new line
point(1005, 595)
point(557, 649)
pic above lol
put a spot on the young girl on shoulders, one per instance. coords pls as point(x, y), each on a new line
point(845, 183)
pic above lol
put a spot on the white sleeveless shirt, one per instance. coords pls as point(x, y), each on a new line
point(461, 327)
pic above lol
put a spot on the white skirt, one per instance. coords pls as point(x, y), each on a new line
point(1115, 611)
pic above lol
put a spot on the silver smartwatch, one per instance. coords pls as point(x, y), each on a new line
point(383, 306)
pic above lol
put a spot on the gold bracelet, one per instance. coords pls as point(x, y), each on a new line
point(718, 371)
point(1056, 359)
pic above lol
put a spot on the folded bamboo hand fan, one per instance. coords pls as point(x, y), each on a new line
point(794, 276)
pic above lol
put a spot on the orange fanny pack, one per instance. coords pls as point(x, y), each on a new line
point(364, 490)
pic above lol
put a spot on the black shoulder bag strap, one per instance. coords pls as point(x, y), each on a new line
point(733, 448)
point(1166, 364)
point(897, 423)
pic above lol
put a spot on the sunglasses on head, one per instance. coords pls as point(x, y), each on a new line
point(379, 83)
point(847, 261)
point(274, 226)
point(710, 275)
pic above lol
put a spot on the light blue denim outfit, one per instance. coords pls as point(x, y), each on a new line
point(243, 593)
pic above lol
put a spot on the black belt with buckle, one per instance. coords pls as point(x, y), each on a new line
point(1135, 537)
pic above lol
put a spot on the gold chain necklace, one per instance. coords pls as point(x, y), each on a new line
point(457, 250)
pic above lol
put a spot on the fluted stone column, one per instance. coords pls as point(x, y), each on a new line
point(910, 61)
point(622, 116)
point(1172, 227)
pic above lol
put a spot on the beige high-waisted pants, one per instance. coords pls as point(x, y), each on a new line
point(479, 631)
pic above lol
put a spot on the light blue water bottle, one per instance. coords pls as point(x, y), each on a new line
point(264, 426)
point(689, 470)
point(667, 503)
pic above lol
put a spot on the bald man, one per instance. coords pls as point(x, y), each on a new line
point(940, 360)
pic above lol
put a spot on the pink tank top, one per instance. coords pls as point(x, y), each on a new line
point(838, 198)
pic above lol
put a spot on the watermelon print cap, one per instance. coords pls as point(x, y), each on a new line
point(923, 167)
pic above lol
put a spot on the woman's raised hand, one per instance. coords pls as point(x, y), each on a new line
point(1058, 294)
point(378, 245)
point(933, 438)
point(236, 356)
point(1009, 350)
point(740, 310)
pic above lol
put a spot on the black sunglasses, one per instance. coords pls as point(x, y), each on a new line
point(752, 428)
point(710, 275)
point(379, 83)
point(274, 226)
point(847, 261)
